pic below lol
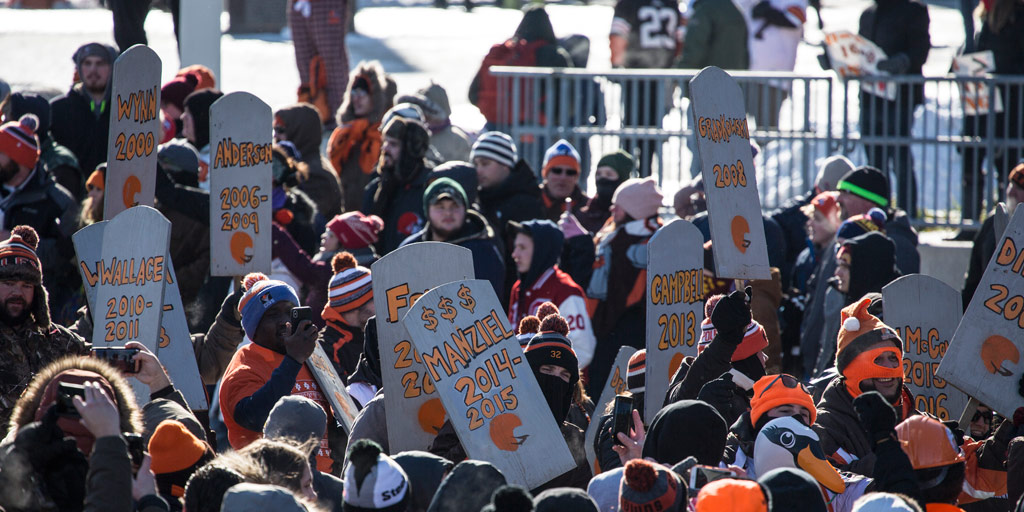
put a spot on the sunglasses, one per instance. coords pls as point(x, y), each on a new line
point(987, 416)
point(787, 380)
point(558, 171)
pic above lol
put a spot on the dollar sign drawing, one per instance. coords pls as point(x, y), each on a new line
point(467, 302)
point(447, 311)
point(428, 317)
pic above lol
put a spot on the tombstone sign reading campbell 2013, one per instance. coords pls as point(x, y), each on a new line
point(492, 398)
point(615, 385)
point(399, 278)
point(134, 131)
point(241, 127)
point(730, 183)
point(925, 312)
point(984, 357)
point(675, 306)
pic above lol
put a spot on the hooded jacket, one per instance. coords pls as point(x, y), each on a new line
point(367, 373)
point(479, 237)
point(302, 127)
point(82, 126)
point(873, 264)
point(451, 142)
point(684, 429)
point(23, 353)
point(515, 199)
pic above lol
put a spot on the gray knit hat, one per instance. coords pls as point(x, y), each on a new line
point(296, 417)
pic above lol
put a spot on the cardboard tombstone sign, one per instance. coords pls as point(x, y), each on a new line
point(975, 96)
point(134, 131)
point(853, 55)
point(415, 412)
point(199, 41)
point(174, 348)
point(925, 312)
point(485, 383)
point(984, 357)
point(615, 385)
point(730, 183)
point(675, 306)
point(241, 126)
point(333, 389)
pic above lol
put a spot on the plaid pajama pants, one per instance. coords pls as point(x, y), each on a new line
point(322, 33)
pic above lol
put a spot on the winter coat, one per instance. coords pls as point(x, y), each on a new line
point(426, 472)
point(190, 252)
point(553, 209)
point(400, 205)
point(1007, 46)
point(764, 307)
point(983, 248)
point(343, 343)
point(793, 222)
point(814, 310)
point(898, 229)
point(23, 352)
point(900, 27)
point(315, 275)
point(594, 215)
point(169, 404)
point(478, 236)
point(62, 166)
point(517, 198)
point(303, 129)
point(75, 124)
point(301, 219)
point(716, 35)
point(215, 349)
point(619, 278)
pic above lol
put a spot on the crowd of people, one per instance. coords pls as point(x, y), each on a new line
point(795, 400)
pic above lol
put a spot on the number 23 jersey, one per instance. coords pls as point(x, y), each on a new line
point(652, 30)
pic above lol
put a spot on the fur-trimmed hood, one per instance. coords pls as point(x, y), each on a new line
point(383, 92)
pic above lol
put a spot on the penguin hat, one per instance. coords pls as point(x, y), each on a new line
point(787, 443)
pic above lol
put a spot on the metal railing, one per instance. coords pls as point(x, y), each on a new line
point(935, 126)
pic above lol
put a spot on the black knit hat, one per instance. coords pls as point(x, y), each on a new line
point(867, 182)
point(552, 346)
point(198, 104)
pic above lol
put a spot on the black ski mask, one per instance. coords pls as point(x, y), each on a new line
point(606, 188)
point(554, 349)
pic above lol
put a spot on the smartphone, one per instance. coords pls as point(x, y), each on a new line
point(299, 314)
point(701, 475)
point(120, 357)
point(136, 448)
point(66, 393)
point(623, 417)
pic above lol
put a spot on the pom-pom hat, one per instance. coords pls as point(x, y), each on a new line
point(650, 486)
point(351, 286)
point(859, 330)
point(260, 294)
point(19, 142)
point(19, 262)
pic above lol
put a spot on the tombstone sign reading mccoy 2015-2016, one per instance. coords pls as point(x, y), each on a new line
point(492, 398)
point(399, 278)
point(730, 183)
point(675, 306)
point(241, 165)
point(134, 131)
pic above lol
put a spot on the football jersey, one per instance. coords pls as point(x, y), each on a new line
point(773, 48)
point(652, 30)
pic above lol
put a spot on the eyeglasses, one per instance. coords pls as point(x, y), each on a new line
point(787, 380)
point(557, 171)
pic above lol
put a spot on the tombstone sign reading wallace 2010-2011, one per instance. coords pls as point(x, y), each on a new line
point(925, 312)
point(492, 398)
point(675, 306)
point(615, 385)
point(241, 126)
point(399, 278)
point(134, 131)
point(984, 357)
point(730, 182)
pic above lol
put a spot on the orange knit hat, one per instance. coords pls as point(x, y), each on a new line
point(734, 495)
point(774, 390)
point(858, 331)
point(173, 448)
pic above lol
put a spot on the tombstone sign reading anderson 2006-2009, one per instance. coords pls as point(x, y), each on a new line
point(984, 357)
point(730, 183)
point(399, 278)
point(134, 131)
point(492, 398)
point(615, 385)
point(675, 306)
point(925, 312)
point(241, 126)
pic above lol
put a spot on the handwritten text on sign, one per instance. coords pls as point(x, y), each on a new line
point(121, 322)
point(140, 107)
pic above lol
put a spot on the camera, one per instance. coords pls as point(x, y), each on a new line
point(119, 357)
point(66, 393)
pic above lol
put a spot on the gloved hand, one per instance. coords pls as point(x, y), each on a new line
point(824, 61)
point(719, 394)
point(877, 417)
point(895, 65)
point(732, 315)
point(958, 433)
point(229, 309)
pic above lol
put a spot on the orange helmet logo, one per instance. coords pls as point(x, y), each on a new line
point(503, 432)
point(995, 351)
point(241, 248)
point(740, 228)
point(132, 187)
point(431, 416)
point(674, 364)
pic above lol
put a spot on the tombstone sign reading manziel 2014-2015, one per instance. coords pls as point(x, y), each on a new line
point(342, 406)
point(984, 357)
point(134, 131)
point(399, 278)
point(241, 165)
point(925, 313)
point(492, 398)
point(730, 183)
point(675, 306)
point(615, 385)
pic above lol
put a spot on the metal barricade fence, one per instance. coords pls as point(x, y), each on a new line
point(941, 128)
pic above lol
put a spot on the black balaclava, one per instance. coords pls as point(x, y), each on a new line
point(551, 347)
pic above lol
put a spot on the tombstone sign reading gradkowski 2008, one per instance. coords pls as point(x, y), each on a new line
point(241, 126)
point(134, 131)
point(485, 383)
point(399, 278)
point(615, 385)
point(984, 356)
point(730, 182)
point(925, 312)
point(675, 306)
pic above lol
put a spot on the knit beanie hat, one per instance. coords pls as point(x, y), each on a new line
point(793, 489)
point(883, 502)
point(651, 486)
point(831, 170)
point(175, 91)
point(734, 495)
point(352, 238)
point(18, 259)
point(529, 326)
point(510, 498)
point(497, 146)
point(103, 51)
point(858, 331)
point(561, 154)
point(373, 481)
point(826, 202)
point(754, 339)
point(772, 391)
point(868, 183)
point(464, 173)
point(180, 161)
point(564, 499)
point(98, 178)
point(296, 417)
point(175, 455)
point(405, 111)
point(640, 198)
point(203, 73)
point(19, 104)
point(443, 188)
point(1017, 175)
point(873, 220)
point(622, 161)
point(19, 142)
point(351, 286)
point(260, 293)
point(636, 372)
point(247, 497)
point(552, 346)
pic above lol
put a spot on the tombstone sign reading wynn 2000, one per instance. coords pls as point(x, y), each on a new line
point(134, 131)
point(730, 183)
point(485, 382)
point(241, 165)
